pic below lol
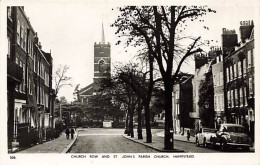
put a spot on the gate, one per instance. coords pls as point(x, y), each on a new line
point(23, 135)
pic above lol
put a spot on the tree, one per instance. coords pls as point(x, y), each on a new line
point(143, 88)
point(61, 79)
point(206, 101)
point(160, 30)
point(123, 93)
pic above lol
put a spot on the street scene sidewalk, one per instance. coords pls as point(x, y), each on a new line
point(178, 137)
point(157, 141)
point(58, 145)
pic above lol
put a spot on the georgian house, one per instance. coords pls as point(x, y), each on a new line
point(239, 78)
point(23, 109)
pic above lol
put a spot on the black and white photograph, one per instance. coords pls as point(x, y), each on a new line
point(115, 80)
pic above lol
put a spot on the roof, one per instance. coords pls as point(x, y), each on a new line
point(88, 90)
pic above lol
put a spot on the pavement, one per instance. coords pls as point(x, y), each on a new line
point(58, 145)
point(178, 137)
point(158, 141)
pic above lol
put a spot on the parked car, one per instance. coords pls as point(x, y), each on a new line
point(204, 135)
point(233, 136)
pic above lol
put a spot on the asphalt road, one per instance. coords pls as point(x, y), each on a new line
point(106, 141)
point(98, 140)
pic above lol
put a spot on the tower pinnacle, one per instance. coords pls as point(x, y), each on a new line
point(102, 35)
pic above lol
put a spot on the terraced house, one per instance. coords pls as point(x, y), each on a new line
point(29, 74)
point(239, 77)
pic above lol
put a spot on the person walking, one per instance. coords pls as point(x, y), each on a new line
point(72, 133)
point(188, 135)
point(67, 132)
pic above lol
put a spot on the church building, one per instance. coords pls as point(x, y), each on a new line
point(102, 63)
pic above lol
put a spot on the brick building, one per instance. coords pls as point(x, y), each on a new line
point(239, 77)
point(182, 103)
point(23, 113)
point(102, 64)
point(218, 83)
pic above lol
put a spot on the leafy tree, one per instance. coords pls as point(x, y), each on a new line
point(143, 87)
point(206, 101)
point(160, 29)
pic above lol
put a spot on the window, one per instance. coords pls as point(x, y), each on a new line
point(25, 40)
point(9, 48)
point(231, 72)
point(236, 97)
point(241, 97)
point(239, 69)
point(222, 102)
point(29, 87)
point(244, 66)
point(235, 71)
point(21, 85)
point(18, 32)
point(221, 78)
point(227, 72)
point(232, 98)
point(29, 48)
point(251, 89)
point(47, 100)
point(228, 99)
point(35, 63)
point(24, 81)
point(38, 96)
point(249, 58)
point(22, 36)
point(38, 67)
point(245, 97)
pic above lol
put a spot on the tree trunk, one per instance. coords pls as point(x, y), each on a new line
point(126, 124)
point(139, 129)
point(131, 126)
point(168, 130)
point(147, 123)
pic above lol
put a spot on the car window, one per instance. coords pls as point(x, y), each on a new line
point(209, 130)
point(236, 129)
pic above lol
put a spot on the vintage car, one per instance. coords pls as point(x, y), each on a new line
point(231, 136)
point(204, 135)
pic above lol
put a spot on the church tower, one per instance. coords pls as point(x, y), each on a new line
point(102, 61)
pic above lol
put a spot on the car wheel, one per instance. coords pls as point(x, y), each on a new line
point(223, 146)
point(205, 143)
point(197, 142)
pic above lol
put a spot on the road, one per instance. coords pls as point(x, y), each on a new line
point(98, 140)
point(106, 141)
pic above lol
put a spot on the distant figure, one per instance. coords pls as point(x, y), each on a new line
point(72, 133)
point(188, 135)
point(245, 124)
point(67, 133)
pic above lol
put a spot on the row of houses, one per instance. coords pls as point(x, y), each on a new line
point(232, 70)
point(29, 83)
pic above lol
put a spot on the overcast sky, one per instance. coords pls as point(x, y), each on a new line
point(70, 29)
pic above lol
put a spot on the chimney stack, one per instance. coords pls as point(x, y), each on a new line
point(229, 41)
point(245, 29)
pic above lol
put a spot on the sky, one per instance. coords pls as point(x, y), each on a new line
point(70, 29)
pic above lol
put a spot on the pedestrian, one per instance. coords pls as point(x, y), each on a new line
point(67, 132)
point(245, 124)
point(188, 135)
point(72, 133)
